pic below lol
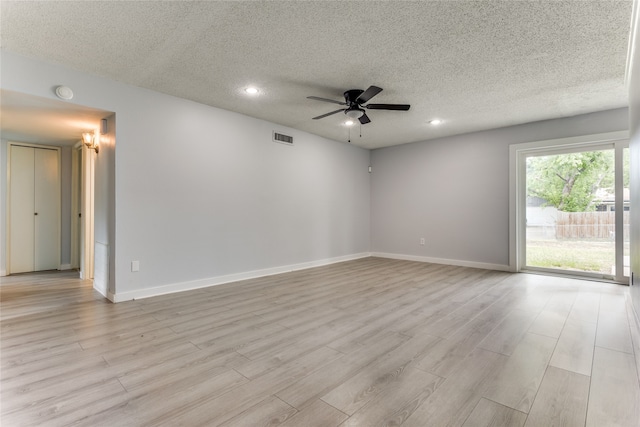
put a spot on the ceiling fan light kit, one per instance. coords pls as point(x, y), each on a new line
point(354, 113)
point(355, 100)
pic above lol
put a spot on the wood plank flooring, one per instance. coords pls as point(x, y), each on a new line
point(372, 342)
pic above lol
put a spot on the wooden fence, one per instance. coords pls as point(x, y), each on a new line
point(588, 225)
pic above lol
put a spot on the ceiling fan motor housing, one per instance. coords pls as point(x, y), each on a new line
point(353, 111)
point(350, 96)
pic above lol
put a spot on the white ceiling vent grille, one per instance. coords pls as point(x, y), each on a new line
point(282, 138)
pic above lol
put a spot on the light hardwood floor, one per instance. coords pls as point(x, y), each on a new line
point(372, 342)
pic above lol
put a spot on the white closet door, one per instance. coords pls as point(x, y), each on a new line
point(35, 209)
point(22, 246)
point(47, 208)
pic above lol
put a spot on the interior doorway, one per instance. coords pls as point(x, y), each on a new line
point(33, 196)
point(53, 124)
point(34, 209)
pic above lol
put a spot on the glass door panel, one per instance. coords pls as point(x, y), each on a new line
point(570, 212)
point(626, 256)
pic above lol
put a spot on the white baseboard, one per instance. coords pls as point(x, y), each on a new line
point(65, 267)
point(3, 273)
point(101, 268)
point(102, 290)
point(459, 263)
point(219, 280)
point(111, 296)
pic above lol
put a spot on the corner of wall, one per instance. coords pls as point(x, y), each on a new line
point(3, 206)
point(633, 82)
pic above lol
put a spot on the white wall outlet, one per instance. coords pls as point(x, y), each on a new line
point(135, 266)
point(422, 241)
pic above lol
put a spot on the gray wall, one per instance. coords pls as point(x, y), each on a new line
point(202, 193)
point(634, 127)
point(3, 206)
point(454, 191)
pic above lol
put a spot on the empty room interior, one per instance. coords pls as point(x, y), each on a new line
point(320, 213)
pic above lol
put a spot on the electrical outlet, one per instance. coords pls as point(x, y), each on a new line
point(135, 266)
point(422, 241)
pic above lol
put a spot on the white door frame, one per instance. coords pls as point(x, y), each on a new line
point(82, 188)
point(87, 238)
point(517, 200)
point(76, 210)
point(8, 206)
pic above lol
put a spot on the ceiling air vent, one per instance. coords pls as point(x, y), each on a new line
point(282, 138)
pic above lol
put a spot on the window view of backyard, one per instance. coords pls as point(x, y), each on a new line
point(571, 211)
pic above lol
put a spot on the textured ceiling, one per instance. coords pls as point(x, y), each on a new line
point(474, 64)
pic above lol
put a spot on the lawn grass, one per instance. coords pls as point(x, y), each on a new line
point(592, 256)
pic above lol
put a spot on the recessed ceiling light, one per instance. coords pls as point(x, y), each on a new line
point(349, 123)
point(251, 90)
point(435, 122)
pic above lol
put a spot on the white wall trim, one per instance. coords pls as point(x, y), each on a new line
point(3, 273)
point(101, 267)
point(76, 177)
point(219, 280)
point(103, 291)
point(65, 267)
point(577, 141)
point(634, 313)
point(635, 28)
point(110, 296)
point(87, 249)
point(456, 262)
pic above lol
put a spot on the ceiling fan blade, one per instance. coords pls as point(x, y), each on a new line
point(400, 107)
point(364, 119)
point(328, 114)
point(368, 94)
point(326, 100)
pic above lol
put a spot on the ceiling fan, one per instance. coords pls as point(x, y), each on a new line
point(354, 100)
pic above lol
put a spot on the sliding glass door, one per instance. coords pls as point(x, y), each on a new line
point(573, 210)
point(626, 203)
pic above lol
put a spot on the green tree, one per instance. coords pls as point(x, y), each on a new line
point(570, 181)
